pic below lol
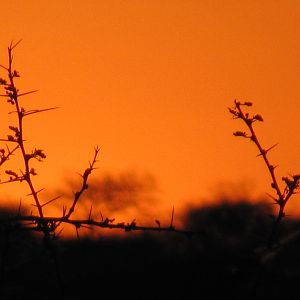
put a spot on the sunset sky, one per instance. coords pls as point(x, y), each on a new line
point(150, 83)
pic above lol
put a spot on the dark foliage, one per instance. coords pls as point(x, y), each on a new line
point(221, 261)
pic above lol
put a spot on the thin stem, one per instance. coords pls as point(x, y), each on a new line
point(14, 97)
point(291, 184)
point(84, 185)
point(262, 152)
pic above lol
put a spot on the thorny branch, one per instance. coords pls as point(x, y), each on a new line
point(292, 183)
point(47, 225)
point(84, 186)
point(30, 222)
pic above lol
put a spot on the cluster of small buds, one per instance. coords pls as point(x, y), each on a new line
point(11, 138)
point(258, 118)
point(12, 93)
point(3, 156)
point(238, 113)
point(3, 81)
point(292, 183)
point(38, 154)
point(13, 176)
point(33, 172)
point(240, 133)
point(15, 73)
point(10, 90)
point(17, 134)
point(130, 226)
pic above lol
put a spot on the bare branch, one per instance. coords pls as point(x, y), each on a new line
point(77, 223)
point(84, 185)
point(292, 184)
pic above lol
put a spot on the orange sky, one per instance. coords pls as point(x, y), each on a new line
point(150, 83)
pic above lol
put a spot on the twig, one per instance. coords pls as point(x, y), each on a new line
point(84, 185)
point(77, 223)
point(292, 183)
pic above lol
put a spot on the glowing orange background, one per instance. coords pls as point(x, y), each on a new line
point(150, 83)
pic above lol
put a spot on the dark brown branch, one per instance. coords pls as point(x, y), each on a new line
point(13, 98)
point(77, 223)
point(292, 184)
point(84, 185)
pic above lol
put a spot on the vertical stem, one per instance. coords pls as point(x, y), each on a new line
point(262, 152)
point(282, 196)
point(20, 141)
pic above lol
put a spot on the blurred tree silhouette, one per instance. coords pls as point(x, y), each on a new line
point(112, 194)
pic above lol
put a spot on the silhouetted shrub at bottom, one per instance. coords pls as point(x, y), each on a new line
point(231, 225)
point(220, 261)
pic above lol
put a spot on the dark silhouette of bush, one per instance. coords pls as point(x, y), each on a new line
point(217, 262)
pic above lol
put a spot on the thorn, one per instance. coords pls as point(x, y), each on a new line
point(30, 194)
point(267, 150)
point(272, 197)
point(133, 223)
point(90, 213)
point(51, 201)
point(13, 46)
point(77, 232)
point(172, 218)
point(158, 223)
point(19, 209)
point(101, 216)
point(35, 111)
point(4, 69)
point(80, 175)
point(58, 234)
point(27, 93)
point(64, 209)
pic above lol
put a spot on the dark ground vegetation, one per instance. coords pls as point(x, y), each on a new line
point(224, 259)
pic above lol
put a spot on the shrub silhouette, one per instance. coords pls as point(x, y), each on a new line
point(158, 266)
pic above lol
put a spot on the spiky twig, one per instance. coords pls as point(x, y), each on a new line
point(292, 183)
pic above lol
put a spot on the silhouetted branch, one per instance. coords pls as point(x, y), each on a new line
point(292, 183)
point(53, 222)
point(50, 226)
point(84, 185)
